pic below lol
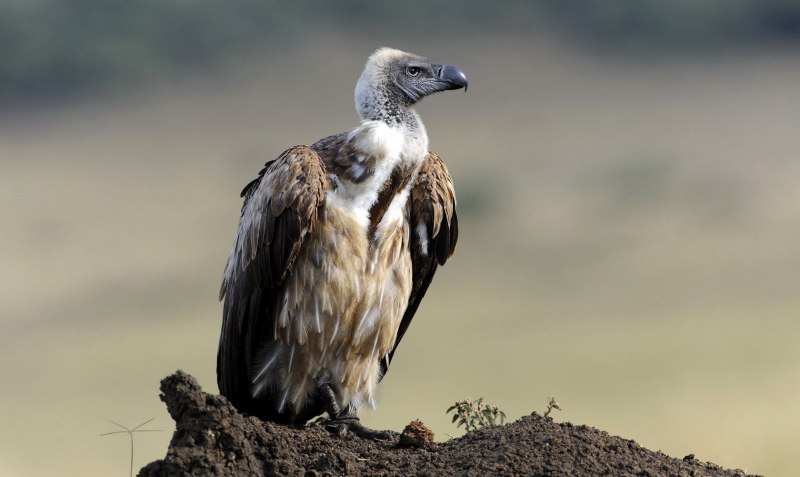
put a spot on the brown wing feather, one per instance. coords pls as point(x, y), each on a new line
point(279, 210)
point(432, 206)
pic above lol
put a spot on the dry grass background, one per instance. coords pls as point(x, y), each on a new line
point(629, 244)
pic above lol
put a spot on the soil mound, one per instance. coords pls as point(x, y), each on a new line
point(212, 438)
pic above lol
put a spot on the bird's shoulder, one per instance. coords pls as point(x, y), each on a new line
point(280, 208)
point(288, 164)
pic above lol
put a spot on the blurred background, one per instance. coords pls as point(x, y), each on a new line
point(628, 184)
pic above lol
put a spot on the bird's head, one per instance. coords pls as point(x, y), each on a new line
point(396, 79)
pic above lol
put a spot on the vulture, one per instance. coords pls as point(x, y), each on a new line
point(336, 246)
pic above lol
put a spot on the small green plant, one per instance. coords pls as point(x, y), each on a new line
point(476, 414)
point(551, 404)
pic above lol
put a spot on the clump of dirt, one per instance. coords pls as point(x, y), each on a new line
point(416, 434)
point(212, 438)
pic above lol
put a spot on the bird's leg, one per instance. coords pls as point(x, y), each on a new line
point(343, 421)
point(329, 399)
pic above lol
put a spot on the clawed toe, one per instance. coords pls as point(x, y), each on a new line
point(337, 427)
point(344, 424)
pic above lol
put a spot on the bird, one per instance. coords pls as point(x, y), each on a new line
point(337, 243)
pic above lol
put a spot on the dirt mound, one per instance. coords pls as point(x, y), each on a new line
point(212, 438)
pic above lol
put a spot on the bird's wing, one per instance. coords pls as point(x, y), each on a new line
point(280, 209)
point(433, 234)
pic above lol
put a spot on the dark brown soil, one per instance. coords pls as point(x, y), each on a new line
point(212, 438)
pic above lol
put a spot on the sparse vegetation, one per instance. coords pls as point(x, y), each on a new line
point(551, 404)
point(476, 414)
point(130, 431)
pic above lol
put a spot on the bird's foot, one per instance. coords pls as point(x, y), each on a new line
point(343, 421)
point(341, 425)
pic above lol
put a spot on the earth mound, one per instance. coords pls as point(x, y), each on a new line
point(212, 438)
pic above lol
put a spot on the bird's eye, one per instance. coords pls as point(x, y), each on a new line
point(412, 70)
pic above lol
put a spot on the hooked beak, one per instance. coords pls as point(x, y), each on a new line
point(452, 76)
